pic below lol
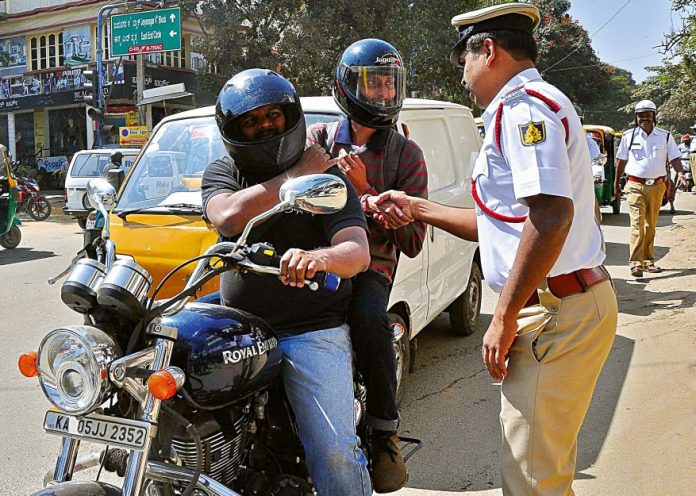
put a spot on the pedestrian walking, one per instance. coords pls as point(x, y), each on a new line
point(644, 154)
point(541, 248)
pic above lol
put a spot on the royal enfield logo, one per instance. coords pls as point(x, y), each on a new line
point(388, 60)
point(235, 356)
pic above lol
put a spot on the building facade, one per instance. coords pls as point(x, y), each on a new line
point(45, 48)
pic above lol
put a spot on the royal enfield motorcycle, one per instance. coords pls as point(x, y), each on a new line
point(184, 395)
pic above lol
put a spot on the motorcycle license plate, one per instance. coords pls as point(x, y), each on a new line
point(99, 428)
point(91, 223)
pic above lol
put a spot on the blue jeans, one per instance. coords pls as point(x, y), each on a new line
point(318, 379)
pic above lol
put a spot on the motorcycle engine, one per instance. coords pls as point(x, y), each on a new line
point(222, 447)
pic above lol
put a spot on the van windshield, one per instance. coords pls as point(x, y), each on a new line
point(92, 164)
point(169, 172)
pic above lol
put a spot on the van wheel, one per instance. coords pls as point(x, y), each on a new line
point(464, 312)
point(402, 352)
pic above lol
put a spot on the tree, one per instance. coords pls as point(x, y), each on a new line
point(608, 110)
point(672, 87)
point(303, 39)
point(566, 58)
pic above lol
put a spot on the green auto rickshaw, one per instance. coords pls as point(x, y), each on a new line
point(606, 138)
point(10, 235)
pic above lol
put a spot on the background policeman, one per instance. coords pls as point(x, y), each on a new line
point(643, 155)
point(541, 249)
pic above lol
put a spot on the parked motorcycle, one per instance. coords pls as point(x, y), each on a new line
point(31, 201)
point(186, 396)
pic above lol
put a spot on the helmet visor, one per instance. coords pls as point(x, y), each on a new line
point(381, 88)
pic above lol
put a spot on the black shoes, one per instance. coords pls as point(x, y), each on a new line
point(388, 467)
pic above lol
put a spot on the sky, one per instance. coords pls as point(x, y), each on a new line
point(629, 40)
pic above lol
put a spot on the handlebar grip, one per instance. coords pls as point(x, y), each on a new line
point(327, 281)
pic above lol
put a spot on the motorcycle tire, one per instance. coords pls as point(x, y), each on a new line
point(11, 238)
point(39, 209)
point(81, 488)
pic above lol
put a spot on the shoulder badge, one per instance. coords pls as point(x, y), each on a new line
point(532, 133)
point(514, 94)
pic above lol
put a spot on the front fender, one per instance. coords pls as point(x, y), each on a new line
point(79, 488)
point(16, 221)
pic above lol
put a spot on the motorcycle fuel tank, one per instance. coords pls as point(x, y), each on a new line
point(226, 354)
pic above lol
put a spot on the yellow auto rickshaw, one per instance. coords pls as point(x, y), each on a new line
point(606, 139)
point(10, 234)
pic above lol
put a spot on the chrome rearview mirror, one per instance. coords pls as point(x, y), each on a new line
point(101, 194)
point(314, 193)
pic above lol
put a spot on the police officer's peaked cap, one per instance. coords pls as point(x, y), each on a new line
point(511, 16)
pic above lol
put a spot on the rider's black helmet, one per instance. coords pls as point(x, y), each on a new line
point(365, 66)
point(116, 157)
point(261, 159)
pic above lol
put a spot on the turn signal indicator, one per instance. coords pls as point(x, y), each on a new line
point(164, 383)
point(27, 364)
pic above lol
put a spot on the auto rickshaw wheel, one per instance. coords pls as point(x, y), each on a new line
point(11, 238)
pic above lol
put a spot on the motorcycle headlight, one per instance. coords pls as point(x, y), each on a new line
point(73, 366)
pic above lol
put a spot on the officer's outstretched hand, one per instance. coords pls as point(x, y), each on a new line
point(314, 160)
point(496, 344)
point(392, 209)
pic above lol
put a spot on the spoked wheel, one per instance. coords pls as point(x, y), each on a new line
point(39, 209)
point(11, 238)
point(402, 352)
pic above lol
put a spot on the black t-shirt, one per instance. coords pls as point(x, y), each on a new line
point(289, 310)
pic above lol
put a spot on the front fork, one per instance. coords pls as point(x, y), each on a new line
point(155, 358)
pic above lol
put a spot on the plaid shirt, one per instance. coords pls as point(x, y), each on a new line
point(411, 178)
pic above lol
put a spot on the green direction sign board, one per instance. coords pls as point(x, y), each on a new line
point(146, 32)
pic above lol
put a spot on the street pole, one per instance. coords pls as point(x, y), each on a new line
point(140, 86)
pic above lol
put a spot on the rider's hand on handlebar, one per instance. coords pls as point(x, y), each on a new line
point(297, 266)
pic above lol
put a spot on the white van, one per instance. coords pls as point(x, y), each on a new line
point(86, 165)
point(445, 276)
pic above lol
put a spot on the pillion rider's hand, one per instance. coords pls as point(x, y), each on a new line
point(297, 265)
point(392, 208)
point(314, 160)
point(386, 213)
point(354, 169)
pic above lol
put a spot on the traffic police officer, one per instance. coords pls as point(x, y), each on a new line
point(643, 155)
point(541, 248)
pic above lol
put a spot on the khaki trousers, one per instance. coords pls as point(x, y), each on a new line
point(554, 362)
point(644, 204)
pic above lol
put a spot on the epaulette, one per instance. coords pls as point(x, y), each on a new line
point(514, 94)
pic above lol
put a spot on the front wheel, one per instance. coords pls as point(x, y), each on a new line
point(402, 352)
point(39, 209)
point(464, 312)
point(79, 488)
point(11, 238)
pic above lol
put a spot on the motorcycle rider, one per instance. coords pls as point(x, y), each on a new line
point(369, 88)
point(262, 125)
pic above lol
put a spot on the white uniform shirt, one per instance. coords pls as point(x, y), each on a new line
point(593, 147)
point(648, 154)
point(546, 165)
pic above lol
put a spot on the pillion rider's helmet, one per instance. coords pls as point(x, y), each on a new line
point(370, 83)
point(264, 158)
